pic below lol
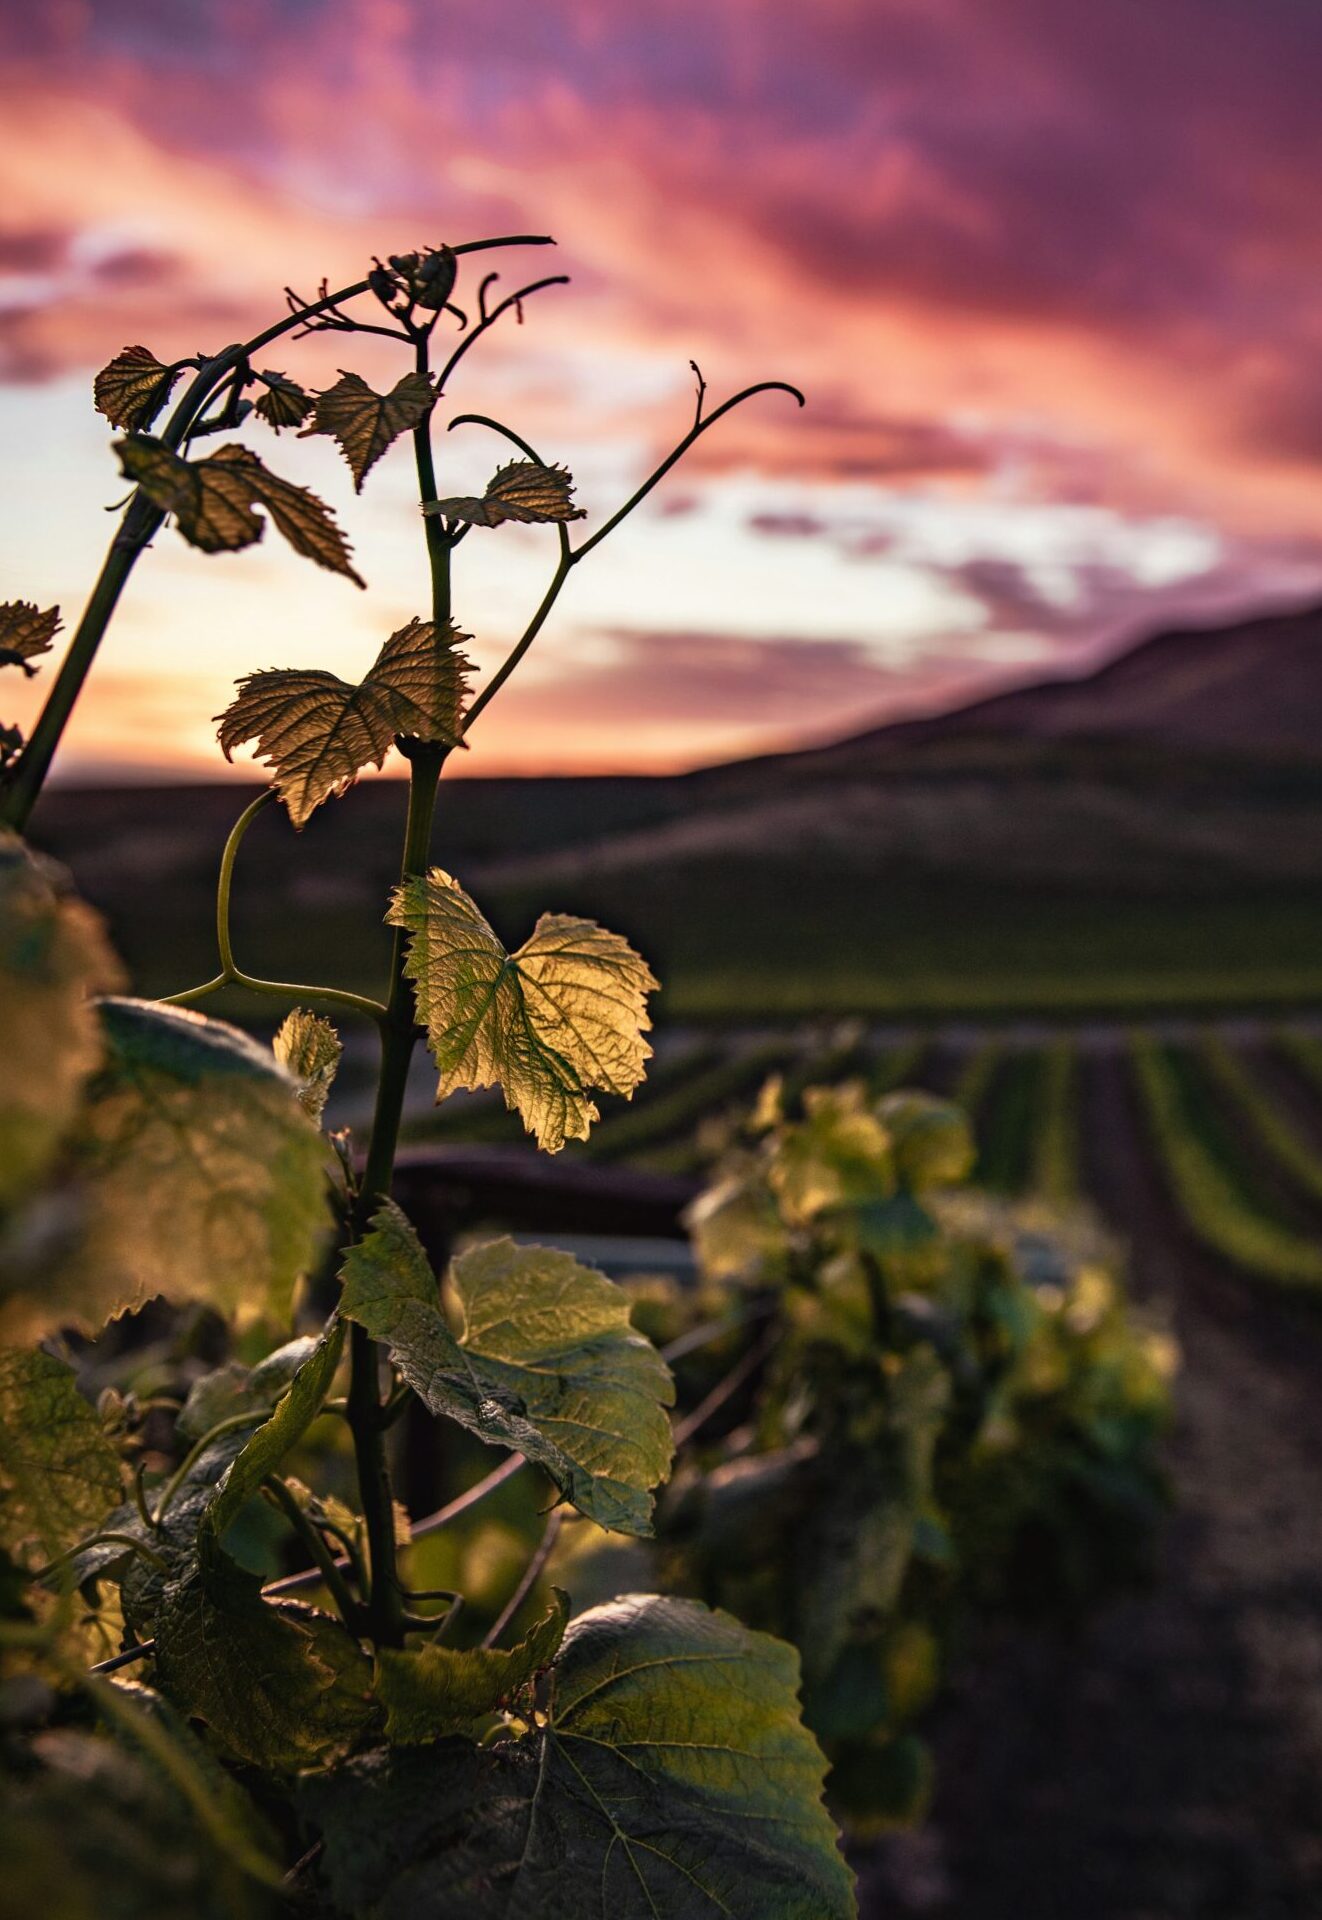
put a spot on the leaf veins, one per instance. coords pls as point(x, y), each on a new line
point(563, 1015)
point(523, 491)
point(364, 422)
point(131, 391)
point(319, 731)
point(25, 631)
point(214, 501)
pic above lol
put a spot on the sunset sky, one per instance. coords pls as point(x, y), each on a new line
point(1050, 272)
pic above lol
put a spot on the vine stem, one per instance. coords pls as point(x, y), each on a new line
point(140, 524)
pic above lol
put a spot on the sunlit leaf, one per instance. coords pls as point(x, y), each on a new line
point(673, 1776)
point(545, 1361)
point(290, 1419)
point(562, 1016)
point(364, 422)
point(438, 1690)
point(282, 402)
point(53, 955)
point(319, 732)
point(131, 391)
point(232, 1389)
point(932, 1141)
point(524, 490)
point(26, 630)
point(839, 1152)
point(308, 1048)
point(59, 1474)
point(214, 501)
point(192, 1172)
point(278, 1684)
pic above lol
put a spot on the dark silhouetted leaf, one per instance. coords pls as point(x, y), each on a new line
point(440, 1690)
point(59, 1474)
point(214, 501)
point(562, 1016)
point(282, 402)
point(523, 491)
point(365, 423)
point(319, 732)
point(546, 1361)
point(26, 630)
point(673, 1777)
point(131, 391)
point(308, 1048)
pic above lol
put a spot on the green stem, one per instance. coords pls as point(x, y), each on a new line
point(233, 975)
point(345, 1604)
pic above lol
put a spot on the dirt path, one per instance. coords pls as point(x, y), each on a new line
point(1169, 1765)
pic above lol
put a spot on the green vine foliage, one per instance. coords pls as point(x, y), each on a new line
point(954, 1417)
point(182, 1734)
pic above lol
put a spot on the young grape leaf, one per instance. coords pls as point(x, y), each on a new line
point(319, 731)
point(53, 956)
point(309, 1050)
point(233, 1389)
point(280, 1685)
point(131, 391)
point(282, 402)
point(214, 501)
point(26, 630)
point(546, 1361)
point(293, 1414)
point(365, 423)
point(563, 1015)
point(191, 1172)
point(524, 490)
point(59, 1474)
point(672, 1776)
point(438, 1690)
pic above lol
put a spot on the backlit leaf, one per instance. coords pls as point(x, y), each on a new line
point(562, 1016)
point(308, 1048)
point(131, 391)
point(59, 1474)
point(53, 956)
point(26, 630)
point(233, 1389)
point(364, 422)
point(318, 732)
point(673, 1777)
point(279, 1684)
point(439, 1690)
point(191, 1172)
point(545, 1362)
point(214, 501)
point(282, 402)
point(524, 490)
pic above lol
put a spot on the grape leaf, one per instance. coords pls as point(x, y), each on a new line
point(563, 1015)
point(546, 1361)
point(26, 630)
point(524, 490)
point(290, 1419)
point(319, 731)
point(214, 501)
point(364, 422)
point(191, 1172)
point(53, 955)
point(133, 388)
point(279, 1684)
point(932, 1141)
point(673, 1776)
point(439, 1690)
point(59, 1474)
point(282, 402)
point(308, 1048)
